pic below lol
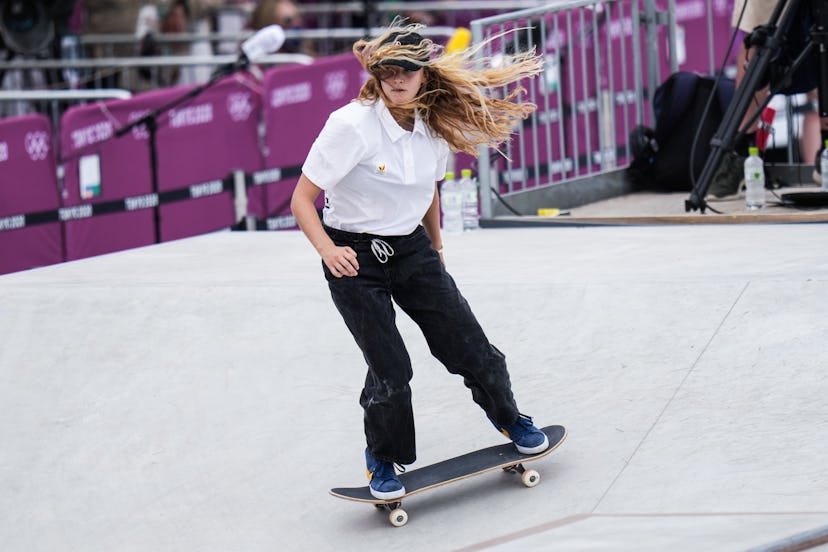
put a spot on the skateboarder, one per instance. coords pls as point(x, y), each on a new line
point(378, 160)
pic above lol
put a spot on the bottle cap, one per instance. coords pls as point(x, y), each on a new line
point(465, 172)
point(753, 150)
point(449, 175)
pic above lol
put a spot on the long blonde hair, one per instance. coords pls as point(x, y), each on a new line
point(458, 101)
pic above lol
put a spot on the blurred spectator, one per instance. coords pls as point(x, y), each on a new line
point(748, 17)
point(427, 18)
point(813, 134)
point(184, 16)
point(286, 14)
point(111, 16)
point(175, 18)
point(200, 21)
point(144, 20)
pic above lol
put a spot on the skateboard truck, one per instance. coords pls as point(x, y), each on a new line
point(397, 516)
point(530, 478)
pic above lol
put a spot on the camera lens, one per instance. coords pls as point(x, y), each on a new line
point(19, 17)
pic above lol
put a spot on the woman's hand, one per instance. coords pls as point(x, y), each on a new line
point(341, 261)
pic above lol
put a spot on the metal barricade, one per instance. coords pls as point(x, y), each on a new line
point(325, 41)
point(93, 71)
point(53, 102)
point(603, 61)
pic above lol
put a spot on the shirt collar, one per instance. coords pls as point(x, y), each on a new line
point(394, 130)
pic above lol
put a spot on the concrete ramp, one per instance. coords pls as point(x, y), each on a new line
point(658, 532)
point(202, 395)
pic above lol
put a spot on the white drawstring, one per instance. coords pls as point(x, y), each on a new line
point(381, 250)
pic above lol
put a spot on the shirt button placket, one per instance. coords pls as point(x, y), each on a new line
point(409, 176)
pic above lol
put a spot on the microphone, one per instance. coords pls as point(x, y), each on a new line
point(266, 40)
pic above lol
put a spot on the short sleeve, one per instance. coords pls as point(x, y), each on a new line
point(337, 150)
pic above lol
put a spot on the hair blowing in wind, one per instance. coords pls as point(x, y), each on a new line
point(459, 100)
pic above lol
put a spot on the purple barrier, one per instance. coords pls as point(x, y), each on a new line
point(100, 168)
point(465, 161)
point(28, 184)
point(693, 37)
point(198, 144)
point(297, 102)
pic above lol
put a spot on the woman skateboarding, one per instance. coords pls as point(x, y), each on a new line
point(378, 159)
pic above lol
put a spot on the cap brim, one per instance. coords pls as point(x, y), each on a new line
point(405, 64)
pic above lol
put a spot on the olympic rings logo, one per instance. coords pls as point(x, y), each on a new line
point(37, 145)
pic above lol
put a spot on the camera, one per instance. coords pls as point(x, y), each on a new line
point(29, 27)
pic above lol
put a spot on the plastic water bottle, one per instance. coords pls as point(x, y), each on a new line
point(823, 166)
point(468, 186)
point(451, 202)
point(754, 180)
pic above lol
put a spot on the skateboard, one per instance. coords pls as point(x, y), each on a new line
point(500, 457)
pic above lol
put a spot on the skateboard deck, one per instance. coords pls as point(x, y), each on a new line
point(498, 457)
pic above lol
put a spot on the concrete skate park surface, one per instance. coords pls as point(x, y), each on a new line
point(202, 395)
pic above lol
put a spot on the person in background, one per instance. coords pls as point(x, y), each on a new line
point(174, 21)
point(747, 15)
point(142, 19)
point(103, 17)
point(286, 14)
point(378, 160)
point(813, 134)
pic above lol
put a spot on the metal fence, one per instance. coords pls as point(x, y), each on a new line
point(131, 73)
point(103, 78)
point(53, 102)
point(603, 60)
point(322, 42)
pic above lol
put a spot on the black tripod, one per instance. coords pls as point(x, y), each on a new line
point(780, 25)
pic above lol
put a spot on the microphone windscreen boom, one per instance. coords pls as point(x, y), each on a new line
point(265, 41)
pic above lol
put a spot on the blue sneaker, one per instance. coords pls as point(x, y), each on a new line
point(384, 483)
point(527, 438)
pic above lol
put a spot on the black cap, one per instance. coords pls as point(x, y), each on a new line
point(403, 39)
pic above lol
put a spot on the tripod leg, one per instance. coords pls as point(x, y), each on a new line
point(820, 36)
point(725, 137)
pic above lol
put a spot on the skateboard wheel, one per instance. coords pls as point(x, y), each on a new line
point(398, 517)
point(530, 478)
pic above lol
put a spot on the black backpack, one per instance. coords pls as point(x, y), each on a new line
point(661, 156)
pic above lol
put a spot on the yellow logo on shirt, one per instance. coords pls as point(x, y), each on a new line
point(380, 169)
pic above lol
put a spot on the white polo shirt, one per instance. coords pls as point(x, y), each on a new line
point(378, 178)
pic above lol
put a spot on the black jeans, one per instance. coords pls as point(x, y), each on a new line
point(415, 278)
